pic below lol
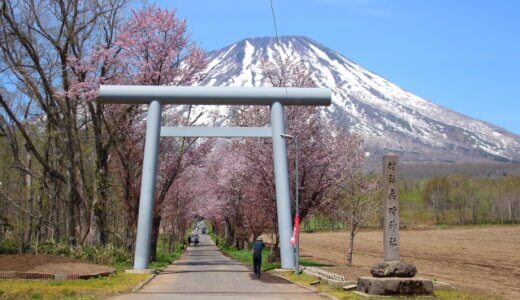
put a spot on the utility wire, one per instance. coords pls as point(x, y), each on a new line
point(274, 22)
point(282, 72)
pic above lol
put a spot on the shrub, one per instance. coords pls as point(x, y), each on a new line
point(50, 247)
point(8, 247)
point(102, 254)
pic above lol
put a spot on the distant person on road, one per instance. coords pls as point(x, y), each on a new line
point(257, 256)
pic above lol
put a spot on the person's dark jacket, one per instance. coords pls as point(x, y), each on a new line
point(257, 248)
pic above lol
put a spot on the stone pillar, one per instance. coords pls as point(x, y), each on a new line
point(390, 208)
point(392, 276)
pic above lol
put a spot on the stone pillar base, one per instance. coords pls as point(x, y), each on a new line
point(388, 286)
point(140, 271)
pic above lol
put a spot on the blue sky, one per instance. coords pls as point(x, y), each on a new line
point(461, 54)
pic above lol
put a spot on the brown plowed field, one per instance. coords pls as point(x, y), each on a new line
point(483, 260)
point(50, 264)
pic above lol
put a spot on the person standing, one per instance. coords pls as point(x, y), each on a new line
point(257, 256)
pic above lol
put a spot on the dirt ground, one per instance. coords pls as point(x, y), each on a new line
point(49, 264)
point(483, 260)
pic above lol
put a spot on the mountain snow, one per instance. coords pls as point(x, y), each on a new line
point(388, 117)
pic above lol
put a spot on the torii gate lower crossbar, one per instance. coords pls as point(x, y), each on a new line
point(276, 98)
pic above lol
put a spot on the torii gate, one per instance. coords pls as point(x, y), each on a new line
point(154, 96)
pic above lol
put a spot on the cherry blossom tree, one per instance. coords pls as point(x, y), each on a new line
point(354, 202)
point(154, 45)
point(228, 174)
point(327, 155)
point(151, 48)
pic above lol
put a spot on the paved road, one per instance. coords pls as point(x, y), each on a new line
point(203, 272)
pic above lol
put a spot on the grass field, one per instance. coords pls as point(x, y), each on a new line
point(69, 289)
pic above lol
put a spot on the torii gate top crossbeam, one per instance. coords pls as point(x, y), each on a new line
point(203, 95)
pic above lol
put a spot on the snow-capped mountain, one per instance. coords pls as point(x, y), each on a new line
point(385, 115)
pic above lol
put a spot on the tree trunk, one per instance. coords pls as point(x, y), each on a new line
point(39, 203)
point(156, 225)
point(70, 216)
point(54, 213)
point(170, 243)
point(435, 218)
point(131, 197)
point(230, 232)
point(510, 209)
point(518, 213)
point(465, 208)
point(98, 231)
point(274, 254)
point(30, 200)
point(350, 249)
point(475, 218)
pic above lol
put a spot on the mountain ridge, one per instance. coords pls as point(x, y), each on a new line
point(388, 117)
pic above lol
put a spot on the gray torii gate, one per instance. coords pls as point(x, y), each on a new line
point(155, 96)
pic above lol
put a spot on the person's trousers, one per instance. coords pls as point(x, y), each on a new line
point(257, 265)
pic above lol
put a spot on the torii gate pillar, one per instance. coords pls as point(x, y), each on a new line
point(281, 176)
point(144, 220)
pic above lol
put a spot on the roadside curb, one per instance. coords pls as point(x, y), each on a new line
point(154, 273)
point(302, 285)
point(143, 283)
